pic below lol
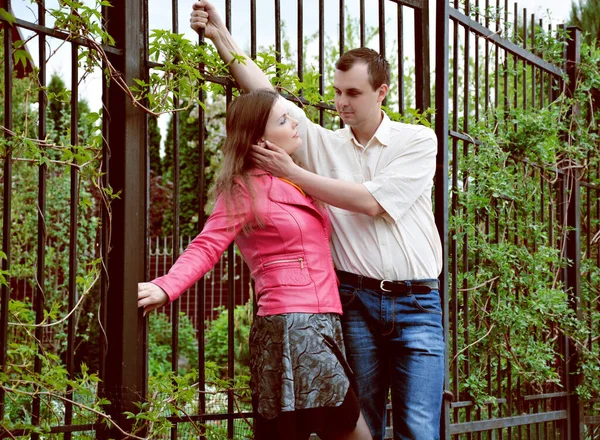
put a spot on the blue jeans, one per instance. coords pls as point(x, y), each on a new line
point(397, 342)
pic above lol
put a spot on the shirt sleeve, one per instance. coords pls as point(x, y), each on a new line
point(312, 138)
point(223, 225)
point(407, 176)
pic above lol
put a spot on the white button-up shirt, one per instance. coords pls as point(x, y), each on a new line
point(397, 167)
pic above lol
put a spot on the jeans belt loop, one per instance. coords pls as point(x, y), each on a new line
point(409, 285)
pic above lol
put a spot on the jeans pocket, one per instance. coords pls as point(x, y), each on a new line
point(429, 303)
point(347, 294)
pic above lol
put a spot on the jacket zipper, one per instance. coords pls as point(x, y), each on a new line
point(300, 260)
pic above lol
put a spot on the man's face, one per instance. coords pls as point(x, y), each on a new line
point(355, 100)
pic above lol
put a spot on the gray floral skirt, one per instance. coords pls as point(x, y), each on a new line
point(297, 362)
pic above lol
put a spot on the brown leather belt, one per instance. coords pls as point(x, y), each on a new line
point(387, 287)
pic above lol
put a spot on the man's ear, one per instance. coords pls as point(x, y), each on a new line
point(383, 91)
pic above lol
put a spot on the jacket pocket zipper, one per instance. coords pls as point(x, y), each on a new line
point(300, 260)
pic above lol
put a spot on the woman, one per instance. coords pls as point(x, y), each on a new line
point(299, 376)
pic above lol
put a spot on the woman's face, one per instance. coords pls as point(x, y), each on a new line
point(281, 129)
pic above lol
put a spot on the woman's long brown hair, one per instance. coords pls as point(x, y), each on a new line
point(245, 124)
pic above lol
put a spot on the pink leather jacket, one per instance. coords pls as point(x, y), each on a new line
point(289, 256)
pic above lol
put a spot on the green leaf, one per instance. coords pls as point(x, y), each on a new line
point(7, 16)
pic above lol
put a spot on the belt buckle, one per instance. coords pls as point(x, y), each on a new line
point(383, 289)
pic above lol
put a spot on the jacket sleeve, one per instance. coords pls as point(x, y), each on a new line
point(223, 225)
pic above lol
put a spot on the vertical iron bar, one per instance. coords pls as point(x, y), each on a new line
point(465, 244)
point(533, 69)
point(74, 214)
point(231, 251)
point(382, 34)
point(515, 62)
point(362, 23)
point(382, 28)
point(551, 78)
point(401, 59)
point(301, 42)
point(122, 382)
point(486, 78)
point(342, 27)
point(573, 281)
point(542, 73)
point(499, 377)
point(230, 336)
point(497, 60)
point(441, 181)
point(41, 244)
point(277, 30)
point(454, 208)
point(42, 188)
point(175, 305)
point(476, 67)
point(6, 207)
point(253, 29)
point(105, 227)
point(147, 244)
point(423, 98)
point(201, 299)
point(321, 57)
point(506, 97)
point(342, 40)
point(524, 62)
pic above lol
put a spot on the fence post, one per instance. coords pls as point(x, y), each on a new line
point(124, 381)
point(573, 248)
point(7, 198)
point(422, 53)
point(441, 183)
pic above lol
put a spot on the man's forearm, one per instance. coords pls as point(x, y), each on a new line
point(350, 196)
point(248, 75)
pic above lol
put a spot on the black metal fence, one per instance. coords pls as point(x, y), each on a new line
point(494, 67)
point(488, 69)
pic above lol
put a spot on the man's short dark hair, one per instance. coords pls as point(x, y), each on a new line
point(377, 66)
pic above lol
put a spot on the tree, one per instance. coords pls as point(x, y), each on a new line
point(585, 14)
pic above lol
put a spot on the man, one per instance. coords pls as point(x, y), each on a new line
point(376, 177)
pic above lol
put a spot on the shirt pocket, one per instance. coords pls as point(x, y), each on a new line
point(283, 270)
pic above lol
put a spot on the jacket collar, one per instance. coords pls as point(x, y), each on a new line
point(282, 192)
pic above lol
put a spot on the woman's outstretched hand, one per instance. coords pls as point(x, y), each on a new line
point(151, 297)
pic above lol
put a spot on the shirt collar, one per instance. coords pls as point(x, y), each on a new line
point(382, 134)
